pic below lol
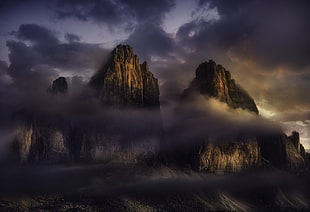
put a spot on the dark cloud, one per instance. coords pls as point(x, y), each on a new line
point(266, 34)
point(115, 13)
point(36, 59)
point(35, 33)
point(46, 57)
point(7, 4)
point(151, 40)
point(269, 33)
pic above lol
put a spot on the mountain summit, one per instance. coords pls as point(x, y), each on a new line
point(124, 82)
point(213, 80)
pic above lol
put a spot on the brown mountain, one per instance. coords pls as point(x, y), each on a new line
point(235, 152)
point(124, 82)
point(123, 133)
point(213, 80)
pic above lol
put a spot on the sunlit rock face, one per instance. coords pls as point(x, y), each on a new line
point(229, 155)
point(124, 82)
point(213, 80)
point(41, 139)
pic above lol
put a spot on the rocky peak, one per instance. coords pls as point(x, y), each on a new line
point(213, 80)
point(294, 138)
point(124, 82)
point(59, 86)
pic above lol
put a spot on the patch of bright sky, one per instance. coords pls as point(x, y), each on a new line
point(303, 127)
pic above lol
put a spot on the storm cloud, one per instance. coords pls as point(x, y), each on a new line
point(265, 46)
point(116, 13)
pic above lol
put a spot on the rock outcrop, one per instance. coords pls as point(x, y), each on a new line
point(283, 151)
point(229, 155)
point(213, 80)
point(59, 86)
point(41, 138)
point(125, 85)
point(124, 82)
point(237, 152)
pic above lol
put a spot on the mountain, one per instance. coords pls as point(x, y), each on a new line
point(214, 81)
point(126, 129)
point(237, 152)
point(124, 82)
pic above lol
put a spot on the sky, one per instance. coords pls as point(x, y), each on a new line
point(264, 44)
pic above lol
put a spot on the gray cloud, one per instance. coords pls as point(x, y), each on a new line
point(3, 68)
point(116, 13)
point(267, 34)
point(36, 33)
point(70, 37)
point(272, 33)
point(151, 40)
point(46, 57)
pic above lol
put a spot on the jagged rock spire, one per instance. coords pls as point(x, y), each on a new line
point(124, 82)
point(213, 80)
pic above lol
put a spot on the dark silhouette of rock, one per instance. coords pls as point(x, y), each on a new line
point(124, 82)
point(213, 80)
point(59, 86)
point(283, 151)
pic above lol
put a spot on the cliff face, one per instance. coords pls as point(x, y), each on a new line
point(124, 82)
point(42, 139)
point(213, 80)
point(229, 155)
point(238, 152)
